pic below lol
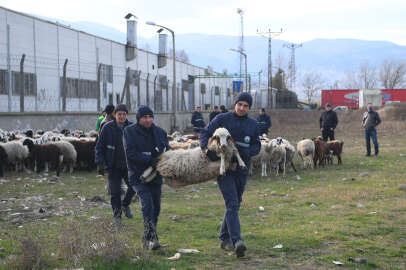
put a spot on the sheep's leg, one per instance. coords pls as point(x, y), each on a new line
point(222, 166)
point(339, 159)
point(293, 166)
point(25, 168)
point(71, 168)
point(284, 168)
point(239, 159)
point(265, 169)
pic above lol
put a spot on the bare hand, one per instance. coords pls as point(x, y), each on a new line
point(332, 129)
point(322, 129)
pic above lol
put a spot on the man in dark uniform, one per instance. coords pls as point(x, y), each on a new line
point(264, 122)
point(109, 115)
point(197, 120)
point(328, 123)
point(370, 120)
point(110, 153)
point(144, 142)
point(244, 130)
point(223, 109)
point(214, 113)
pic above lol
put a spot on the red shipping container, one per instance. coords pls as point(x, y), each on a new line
point(338, 97)
point(393, 95)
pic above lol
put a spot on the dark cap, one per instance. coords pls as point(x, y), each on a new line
point(144, 110)
point(244, 96)
point(328, 105)
point(121, 107)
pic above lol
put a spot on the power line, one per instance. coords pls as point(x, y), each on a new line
point(292, 64)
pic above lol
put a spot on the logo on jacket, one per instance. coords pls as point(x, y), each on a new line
point(247, 139)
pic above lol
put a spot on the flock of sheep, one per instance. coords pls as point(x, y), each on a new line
point(185, 164)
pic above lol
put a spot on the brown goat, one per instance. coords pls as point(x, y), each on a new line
point(45, 153)
point(320, 152)
point(335, 148)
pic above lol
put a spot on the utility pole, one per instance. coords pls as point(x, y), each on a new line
point(241, 45)
point(269, 34)
point(292, 64)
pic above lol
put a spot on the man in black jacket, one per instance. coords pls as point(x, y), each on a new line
point(197, 120)
point(328, 123)
point(370, 120)
point(214, 113)
point(264, 122)
point(110, 154)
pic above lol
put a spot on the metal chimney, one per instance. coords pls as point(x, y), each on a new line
point(162, 56)
point(131, 45)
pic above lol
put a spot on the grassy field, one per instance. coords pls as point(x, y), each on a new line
point(355, 210)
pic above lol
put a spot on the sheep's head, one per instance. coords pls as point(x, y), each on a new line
point(279, 140)
point(29, 143)
point(220, 139)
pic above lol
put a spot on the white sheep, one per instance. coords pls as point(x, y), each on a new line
point(186, 167)
point(278, 158)
point(16, 153)
point(263, 158)
point(305, 149)
point(69, 155)
point(290, 154)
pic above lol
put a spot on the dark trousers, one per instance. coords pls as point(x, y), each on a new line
point(327, 133)
point(114, 178)
point(150, 197)
point(368, 135)
point(232, 186)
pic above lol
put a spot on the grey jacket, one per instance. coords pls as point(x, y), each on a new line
point(370, 120)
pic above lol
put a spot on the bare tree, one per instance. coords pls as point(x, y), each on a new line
point(312, 83)
point(364, 78)
point(392, 74)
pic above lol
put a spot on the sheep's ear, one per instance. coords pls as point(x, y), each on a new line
point(212, 139)
point(229, 138)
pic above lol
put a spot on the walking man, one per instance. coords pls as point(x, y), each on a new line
point(370, 120)
point(245, 133)
point(144, 142)
point(264, 122)
point(328, 123)
point(110, 154)
point(197, 120)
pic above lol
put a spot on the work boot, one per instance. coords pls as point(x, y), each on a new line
point(154, 245)
point(240, 248)
point(226, 245)
point(127, 212)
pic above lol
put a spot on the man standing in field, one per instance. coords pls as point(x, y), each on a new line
point(245, 133)
point(264, 122)
point(370, 120)
point(328, 123)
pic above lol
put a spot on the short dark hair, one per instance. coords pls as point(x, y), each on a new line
point(216, 107)
point(262, 109)
point(369, 103)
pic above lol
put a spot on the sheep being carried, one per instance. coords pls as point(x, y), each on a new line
point(187, 167)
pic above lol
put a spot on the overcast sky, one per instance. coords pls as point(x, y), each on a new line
point(301, 20)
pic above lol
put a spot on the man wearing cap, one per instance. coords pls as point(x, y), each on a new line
point(264, 122)
point(328, 123)
point(197, 120)
point(109, 115)
point(214, 113)
point(99, 120)
point(144, 142)
point(245, 133)
point(110, 154)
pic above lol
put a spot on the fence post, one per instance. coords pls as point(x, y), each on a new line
point(64, 85)
point(21, 86)
point(98, 87)
point(147, 96)
point(138, 88)
point(126, 90)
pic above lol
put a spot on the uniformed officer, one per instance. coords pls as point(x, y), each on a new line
point(264, 122)
point(244, 130)
point(110, 154)
point(143, 143)
point(197, 120)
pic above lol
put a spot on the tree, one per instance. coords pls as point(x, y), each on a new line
point(364, 78)
point(392, 74)
point(278, 81)
point(312, 83)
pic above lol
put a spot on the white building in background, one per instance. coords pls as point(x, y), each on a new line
point(47, 45)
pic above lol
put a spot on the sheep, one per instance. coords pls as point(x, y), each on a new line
point(85, 152)
point(278, 158)
point(50, 136)
point(262, 158)
point(189, 144)
point(45, 153)
point(320, 150)
point(16, 154)
point(69, 154)
point(186, 167)
point(334, 148)
point(290, 154)
point(306, 151)
point(3, 160)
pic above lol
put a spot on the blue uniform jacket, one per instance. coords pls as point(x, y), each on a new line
point(107, 143)
point(264, 123)
point(244, 130)
point(197, 120)
point(138, 152)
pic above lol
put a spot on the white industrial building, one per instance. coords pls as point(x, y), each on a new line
point(47, 45)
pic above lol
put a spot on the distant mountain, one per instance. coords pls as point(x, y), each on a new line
point(331, 57)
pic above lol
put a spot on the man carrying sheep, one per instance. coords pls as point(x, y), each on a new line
point(110, 153)
point(245, 133)
point(144, 142)
point(328, 123)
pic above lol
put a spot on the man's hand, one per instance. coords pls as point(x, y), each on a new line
point(212, 155)
point(332, 129)
point(322, 129)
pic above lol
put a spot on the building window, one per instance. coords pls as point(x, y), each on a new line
point(202, 88)
point(79, 88)
point(217, 90)
point(30, 84)
point(107, 73)
point(3, 82)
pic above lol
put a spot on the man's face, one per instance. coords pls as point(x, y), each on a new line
point(199, 109)
point(146, 121)
point(241, 108)
point(261, 112)
point(369, 107)
point(328, 108)
point(216, 109)
point(121, 117)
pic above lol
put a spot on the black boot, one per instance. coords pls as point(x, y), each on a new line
point(127, 212)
